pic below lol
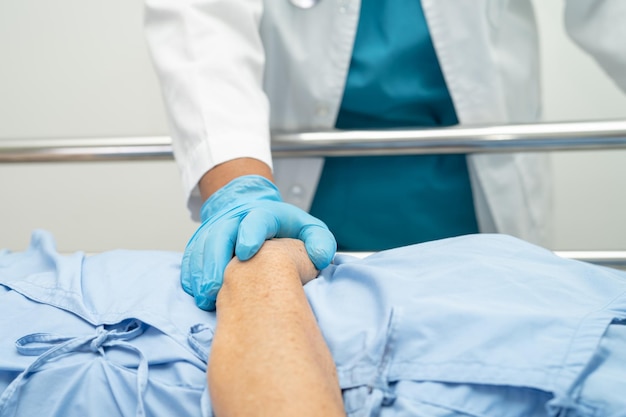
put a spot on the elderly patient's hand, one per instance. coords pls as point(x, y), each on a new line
point(286, 253)
point(267, 344)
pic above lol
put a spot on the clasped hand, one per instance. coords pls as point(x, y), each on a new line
point(237, 220)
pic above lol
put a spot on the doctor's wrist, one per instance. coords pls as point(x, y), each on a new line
point(222, 174)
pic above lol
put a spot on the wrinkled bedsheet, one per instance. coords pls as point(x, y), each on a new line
point(480, 325)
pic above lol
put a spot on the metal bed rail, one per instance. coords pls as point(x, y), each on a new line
point(459, 139)
point(611, 259)
point(602, 135)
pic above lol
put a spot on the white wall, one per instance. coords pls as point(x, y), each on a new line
point(80, 68)
point(76, 68)
point(589, 186)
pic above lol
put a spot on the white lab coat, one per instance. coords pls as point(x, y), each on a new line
point(223, 64)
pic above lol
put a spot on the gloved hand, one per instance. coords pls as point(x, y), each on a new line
point(238, 219)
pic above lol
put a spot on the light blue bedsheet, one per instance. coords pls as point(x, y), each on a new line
point(483, 325)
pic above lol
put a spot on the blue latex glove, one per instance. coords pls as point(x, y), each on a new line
point(237, 219)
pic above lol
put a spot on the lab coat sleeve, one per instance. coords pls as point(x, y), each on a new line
point(209, 58)
point(599, 27)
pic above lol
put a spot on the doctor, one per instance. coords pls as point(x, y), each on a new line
point(233, 70)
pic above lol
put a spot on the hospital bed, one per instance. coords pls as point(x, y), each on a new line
point(543, 137)
point(552, 137)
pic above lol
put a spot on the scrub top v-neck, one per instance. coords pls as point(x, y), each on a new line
point(394, 81)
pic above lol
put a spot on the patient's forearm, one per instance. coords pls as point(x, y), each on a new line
point(268, 356)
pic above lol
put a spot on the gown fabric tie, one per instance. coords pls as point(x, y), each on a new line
point(49, 347)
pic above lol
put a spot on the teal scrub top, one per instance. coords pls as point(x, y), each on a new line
point(394, 80)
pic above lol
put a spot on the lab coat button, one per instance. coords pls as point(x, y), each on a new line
point(321, 110)
point(296, 191)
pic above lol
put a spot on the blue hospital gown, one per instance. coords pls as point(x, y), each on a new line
point(482, 325)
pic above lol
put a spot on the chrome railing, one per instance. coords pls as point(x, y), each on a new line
point(474, 139)
point(611, 259)
point(462, 139)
